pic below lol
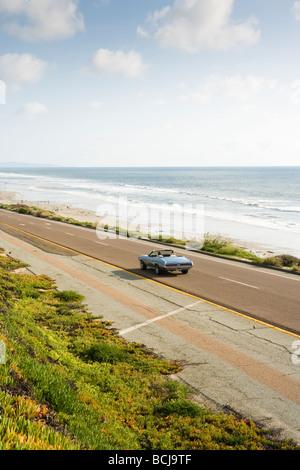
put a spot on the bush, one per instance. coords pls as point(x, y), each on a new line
point(23, 210)
point(69, 296)
point(214, 243)
point(272, 261)
point(288, 260)
point(180, 407)
point(104, 352)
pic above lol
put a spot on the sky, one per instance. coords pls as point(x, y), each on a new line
point(150, 82)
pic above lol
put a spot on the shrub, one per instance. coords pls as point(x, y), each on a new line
point(272, 261)
point(214, 242)
point(288, 260)
point(180, 407)
point(69, 296)
point(104, 352)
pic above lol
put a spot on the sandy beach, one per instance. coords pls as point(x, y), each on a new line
point(8, 197)
point(85, 215)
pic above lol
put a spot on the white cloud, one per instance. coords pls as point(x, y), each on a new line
point(2, 92)
point(118, 62)
point(16, 69)
point(296, 11)
point(193, 25)
point(96, 104)
point(33, 109)
point(142, 32)
point(232, 87)
point(44, 19)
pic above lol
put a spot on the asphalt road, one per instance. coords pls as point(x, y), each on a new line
point(268, 295)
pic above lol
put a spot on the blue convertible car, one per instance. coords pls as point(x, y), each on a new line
point(165, 260)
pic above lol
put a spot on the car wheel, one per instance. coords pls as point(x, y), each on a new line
point(157, 270)
point(143, 266)
point(184, 271)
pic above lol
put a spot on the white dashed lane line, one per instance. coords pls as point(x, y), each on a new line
point(238, 282)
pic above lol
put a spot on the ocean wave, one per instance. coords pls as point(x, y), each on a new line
point(268, 223)
point(227, 205)
point(103, 187)
point(15, 176)
point(281, 206)
point(143, 192)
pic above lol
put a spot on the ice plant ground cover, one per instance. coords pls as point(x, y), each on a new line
point(69, 381)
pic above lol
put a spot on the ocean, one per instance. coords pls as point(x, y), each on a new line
point(253, 205)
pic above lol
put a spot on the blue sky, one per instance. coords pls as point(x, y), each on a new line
point(143, 83)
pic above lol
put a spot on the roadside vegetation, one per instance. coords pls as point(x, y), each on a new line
point(216, 244)
point(69, 381)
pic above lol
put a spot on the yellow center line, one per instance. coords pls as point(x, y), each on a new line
point(248, 317)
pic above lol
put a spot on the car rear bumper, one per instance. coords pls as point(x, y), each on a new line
point(177, 267)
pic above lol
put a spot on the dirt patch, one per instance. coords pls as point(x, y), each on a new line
point(24, 389)
point(19, 387)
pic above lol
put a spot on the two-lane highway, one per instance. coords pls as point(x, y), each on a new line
point(265, 294)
